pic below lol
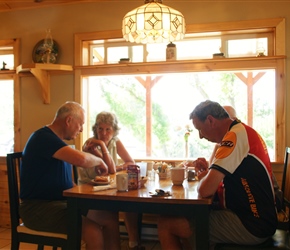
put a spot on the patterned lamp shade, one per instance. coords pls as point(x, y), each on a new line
point(153, 22)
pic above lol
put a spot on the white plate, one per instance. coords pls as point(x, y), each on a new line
point(99, 183)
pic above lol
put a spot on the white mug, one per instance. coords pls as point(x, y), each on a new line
point(122, 182)
point(178, 174)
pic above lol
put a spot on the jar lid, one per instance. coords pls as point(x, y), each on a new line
point(171, 45)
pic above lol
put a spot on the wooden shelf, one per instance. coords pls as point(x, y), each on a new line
point(203, 65)
point(42, 74)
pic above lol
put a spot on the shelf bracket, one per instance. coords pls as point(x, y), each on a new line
point(41, 73)
point(43, 78)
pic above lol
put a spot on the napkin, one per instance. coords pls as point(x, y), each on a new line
point(104, 187)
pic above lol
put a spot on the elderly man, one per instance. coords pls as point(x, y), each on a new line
point(46, 172)
point(239, 178)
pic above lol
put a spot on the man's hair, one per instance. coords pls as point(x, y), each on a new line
point(106, 118)
point(69, 108)
point(202, 110)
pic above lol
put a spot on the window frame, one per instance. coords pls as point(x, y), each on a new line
point(275, 61)
point(11, 75)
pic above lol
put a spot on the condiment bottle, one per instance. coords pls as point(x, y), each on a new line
point(133, 177)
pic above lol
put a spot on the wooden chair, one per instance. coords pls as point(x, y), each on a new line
point(19, 232)
point(281, 239)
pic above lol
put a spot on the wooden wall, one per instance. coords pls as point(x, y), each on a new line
point(4, 200)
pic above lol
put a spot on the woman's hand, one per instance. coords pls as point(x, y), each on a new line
point(121, 167)
point(92, 142)
point(91, 146)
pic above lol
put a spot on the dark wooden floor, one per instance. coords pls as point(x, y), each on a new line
point(5, 236)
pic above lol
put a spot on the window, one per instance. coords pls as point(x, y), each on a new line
point(7, 111)
point(193, 46)
point(8, 105)
point(153, 100)
point(173, 96)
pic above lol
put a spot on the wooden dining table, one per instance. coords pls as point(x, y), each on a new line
point(183, 200)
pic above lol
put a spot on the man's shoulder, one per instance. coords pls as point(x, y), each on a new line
point(44, 131)
point(44, 134)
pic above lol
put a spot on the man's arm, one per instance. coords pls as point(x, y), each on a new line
point(209, 182)
point(81, 159)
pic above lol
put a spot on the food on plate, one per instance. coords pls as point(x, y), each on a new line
point(102, 178)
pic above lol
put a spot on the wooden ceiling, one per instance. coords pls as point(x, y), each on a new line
point(12, 5)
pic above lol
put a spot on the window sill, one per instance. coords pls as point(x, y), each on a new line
point(180, 66)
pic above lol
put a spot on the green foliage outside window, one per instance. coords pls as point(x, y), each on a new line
point(173, 97)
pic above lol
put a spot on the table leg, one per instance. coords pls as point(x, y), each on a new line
point(202, 228)
point(74, 224)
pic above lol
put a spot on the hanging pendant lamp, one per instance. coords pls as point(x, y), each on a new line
point(153, 22)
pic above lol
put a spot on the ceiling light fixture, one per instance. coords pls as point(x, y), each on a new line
point(153, 22)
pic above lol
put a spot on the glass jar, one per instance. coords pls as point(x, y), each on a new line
point(171, 52)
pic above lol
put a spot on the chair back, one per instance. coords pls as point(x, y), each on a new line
point(75, 174)
point(286, 178)
point(20, 233)
point(13, 171)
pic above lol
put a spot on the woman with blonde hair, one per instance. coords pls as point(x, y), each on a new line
point(106, 145)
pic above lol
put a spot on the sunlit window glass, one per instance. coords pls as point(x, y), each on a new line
point(247, 47)
point(198, 49)
point(116, 53)
point(98, 54)
point(7, 113)
point(137, 54)
point(159, 106)
point(156, 52)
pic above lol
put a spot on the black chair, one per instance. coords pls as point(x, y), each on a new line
point(284, 222)
point(75, 174)
point(20, 233)
point(281, 239)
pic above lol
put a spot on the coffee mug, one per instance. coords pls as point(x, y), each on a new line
point(178, 175)
point(122, 182)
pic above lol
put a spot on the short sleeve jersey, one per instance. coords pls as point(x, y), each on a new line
point(43, 177)
point(247, 187)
